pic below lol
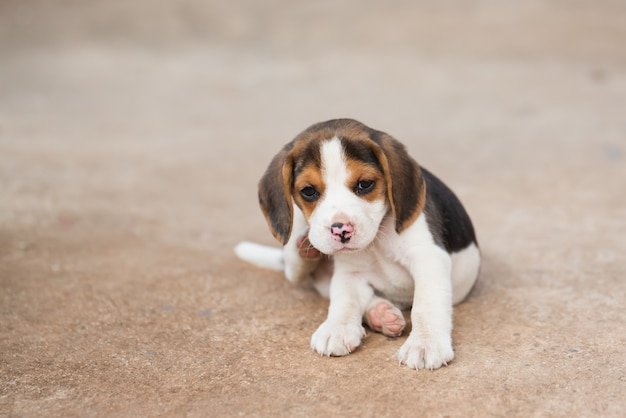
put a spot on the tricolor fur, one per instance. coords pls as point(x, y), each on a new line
point(395, 235)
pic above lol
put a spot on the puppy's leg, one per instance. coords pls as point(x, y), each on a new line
point(297, 268)
point(322, 275)
point(465, 268)
point(382, 316)
point(343, 331)
point(429, 346)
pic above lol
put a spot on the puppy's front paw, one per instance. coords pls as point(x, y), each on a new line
point(418, 353)
point(337, 339)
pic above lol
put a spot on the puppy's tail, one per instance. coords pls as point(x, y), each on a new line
point(261, 255)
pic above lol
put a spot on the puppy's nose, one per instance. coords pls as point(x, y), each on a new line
point(342, 232)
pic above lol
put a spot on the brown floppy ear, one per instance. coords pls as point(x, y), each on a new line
point(406, 189)
point(275, 195)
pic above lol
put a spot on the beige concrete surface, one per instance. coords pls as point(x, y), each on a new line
point(132, 136)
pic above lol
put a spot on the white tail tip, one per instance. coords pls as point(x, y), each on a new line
point(261, 255)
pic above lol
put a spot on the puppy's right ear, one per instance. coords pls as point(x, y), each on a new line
point(275, 195)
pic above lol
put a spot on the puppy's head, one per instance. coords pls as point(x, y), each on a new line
point(345, 177)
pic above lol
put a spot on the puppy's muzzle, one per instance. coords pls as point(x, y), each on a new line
point(342, 232)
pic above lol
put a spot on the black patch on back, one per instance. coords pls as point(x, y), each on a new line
point(448, 221)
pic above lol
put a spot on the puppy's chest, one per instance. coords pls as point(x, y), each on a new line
point(385, 270)
point(390, 279)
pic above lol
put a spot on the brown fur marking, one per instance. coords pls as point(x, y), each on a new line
point(363, 171)
point(310, 175)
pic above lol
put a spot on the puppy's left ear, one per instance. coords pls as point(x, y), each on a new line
point(406, 189)
point(275, 195)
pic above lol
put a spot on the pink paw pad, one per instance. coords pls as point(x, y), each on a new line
point(387, 319)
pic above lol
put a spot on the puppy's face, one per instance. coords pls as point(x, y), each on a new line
point(340, 187)
point(345, 177)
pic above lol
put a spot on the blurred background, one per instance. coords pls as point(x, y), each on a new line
point(195, 63)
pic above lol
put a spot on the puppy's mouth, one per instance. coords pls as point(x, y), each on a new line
point(345, 249)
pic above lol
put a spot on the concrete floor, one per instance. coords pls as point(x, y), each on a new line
point(132, 136)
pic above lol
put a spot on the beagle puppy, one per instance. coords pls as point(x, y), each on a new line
point(384, 235)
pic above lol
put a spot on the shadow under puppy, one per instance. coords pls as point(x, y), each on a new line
point(380, 234)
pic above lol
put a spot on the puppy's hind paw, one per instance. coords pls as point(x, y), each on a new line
point(386, 319)
point(337, 339)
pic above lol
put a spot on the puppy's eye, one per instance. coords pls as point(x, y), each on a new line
point(309, 194)
point(364, 187)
